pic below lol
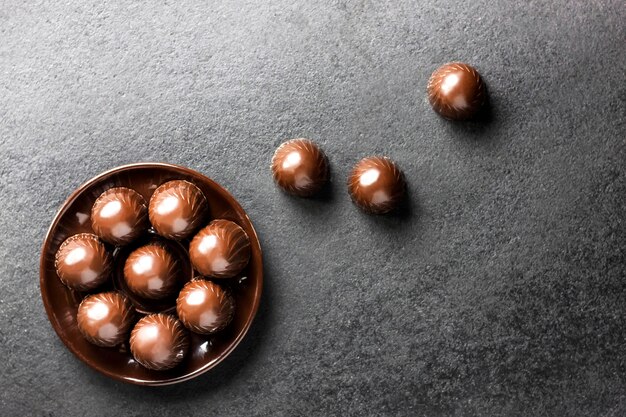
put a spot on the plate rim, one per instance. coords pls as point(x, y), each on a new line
point(257, 254)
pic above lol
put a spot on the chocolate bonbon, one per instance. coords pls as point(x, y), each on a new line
point(105, 318)
point(456, 91)
point(119, 215)
point(220, 250)
point(300, 167)
point(159, 342)
point(151, 271)
point(376, 185)
point(61, 302)
point(204, 307)
point(83, 262)
point(177, 208)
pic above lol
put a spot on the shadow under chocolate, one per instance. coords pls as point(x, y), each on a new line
point(408, 210)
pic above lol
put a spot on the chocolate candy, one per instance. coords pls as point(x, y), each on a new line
point(152, 272)
point(83, 262)
point(456, 91)
point(159, 342)
point(177, 208)
point(300, 167)
point(105, 319)
point(119, 215)
point(220, 250)
point(376, 185)
point(204, 307)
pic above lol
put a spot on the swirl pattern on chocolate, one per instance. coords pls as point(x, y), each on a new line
point(83, 262)
point(220, 250)
point(177, 208)
point(119, 215)
point(159, 342)
point(151, 271)
point(204, 307)
point(105, 318)
point(300, 167)
point(456, 91)
point(376, 185)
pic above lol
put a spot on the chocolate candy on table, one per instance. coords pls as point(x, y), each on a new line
point(456, 91)
point(83, 262)
point(159, 341)
point(220, 250)
point(151, 271)
point(177, 208)
point(204, 307)
point(376, 185)
point(300, 167)
point(105, 318)
point(119, 215)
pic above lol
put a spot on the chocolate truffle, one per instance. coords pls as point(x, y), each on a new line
point(152, 272)
point(119, 215)
point(159, 342)
point(204, 307)
point(83, 262)
point(105, 319)
point(456, 91)
point(220, 250)
point(300, 167)
point(177, 208)
point(376, 185)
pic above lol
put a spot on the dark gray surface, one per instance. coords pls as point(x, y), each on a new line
point(500, 292)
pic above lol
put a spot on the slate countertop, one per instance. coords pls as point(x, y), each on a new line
point(499, 291)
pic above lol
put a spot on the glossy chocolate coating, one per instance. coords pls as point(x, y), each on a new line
point(456, 91)
point(376, 185)
point(177, 208)
point(105, 319)
point(83, 262)
point(300, 167)
point(204, 307)
point(61, 303)
point(159, 342)
point(119, 215)
point(151, 271)
point(220, 250)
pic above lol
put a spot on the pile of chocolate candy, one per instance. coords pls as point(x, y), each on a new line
point(152, 272)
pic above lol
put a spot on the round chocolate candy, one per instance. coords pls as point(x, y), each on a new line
point(159, 342)
point(119, 215)
point(204, 307)
point(83, 262)
point(456, 91)
point(300, 167)
point(151, 271)
point(177, 208)
point(376, 185)
point(220, 250)
point(105, 318)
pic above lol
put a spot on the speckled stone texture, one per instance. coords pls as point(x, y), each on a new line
point(500, 290)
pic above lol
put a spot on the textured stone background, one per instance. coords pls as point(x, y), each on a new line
point(499, 291)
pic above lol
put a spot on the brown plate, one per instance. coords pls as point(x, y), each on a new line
point(61, 303)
